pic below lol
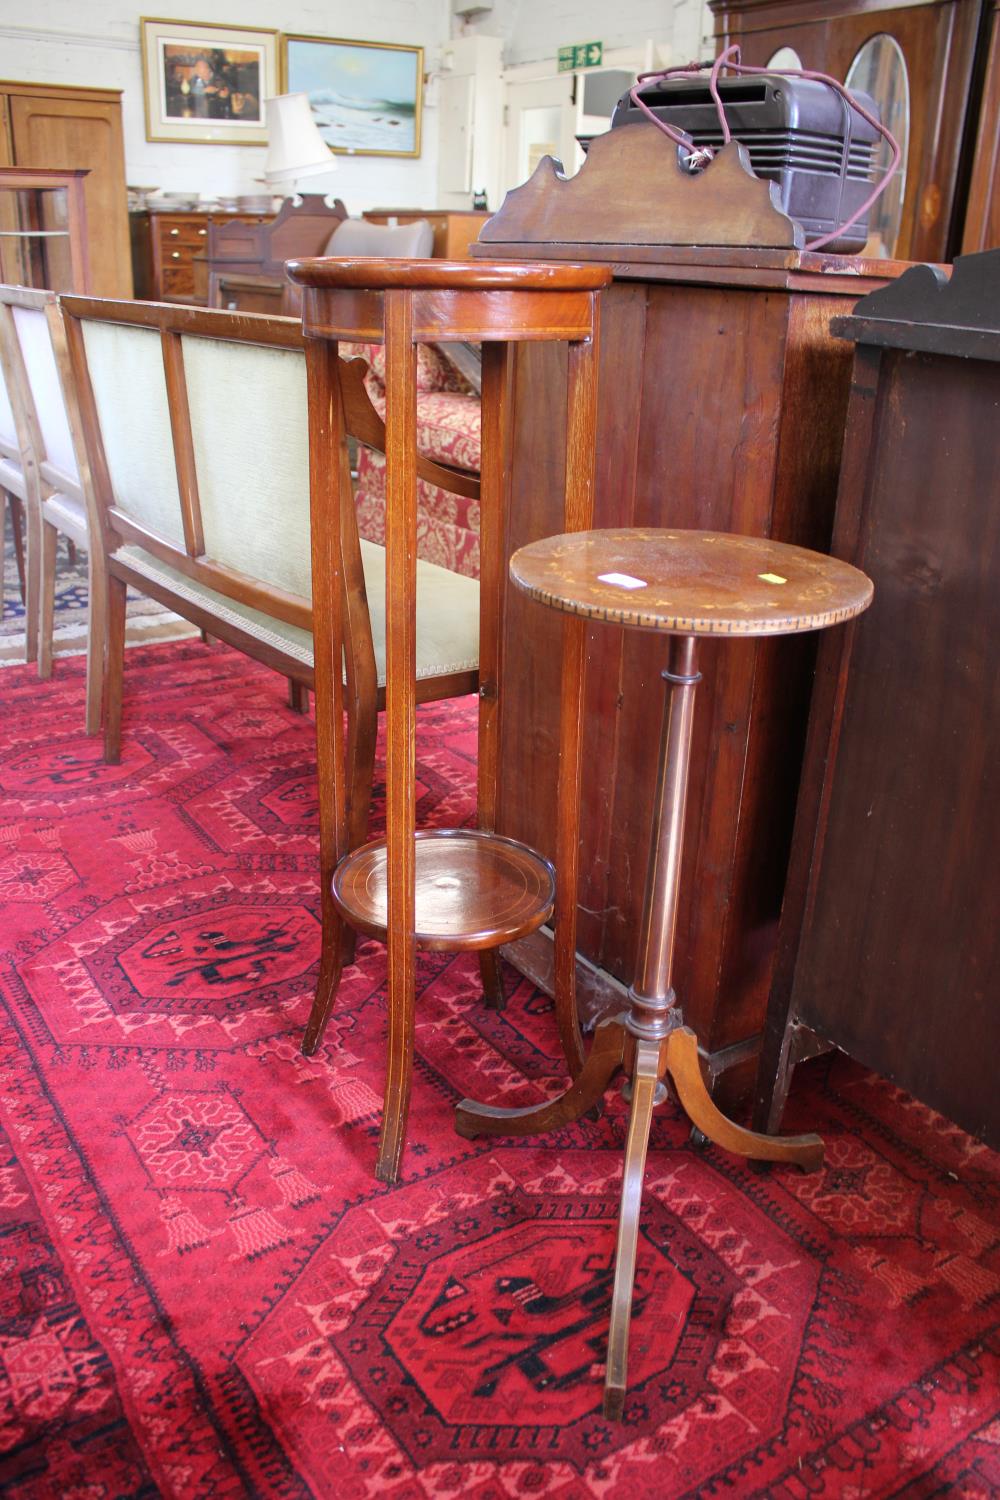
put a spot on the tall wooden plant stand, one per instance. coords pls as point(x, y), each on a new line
point(686, 584)
point(456, 889)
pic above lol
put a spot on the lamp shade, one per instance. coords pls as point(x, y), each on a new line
point(295, 147)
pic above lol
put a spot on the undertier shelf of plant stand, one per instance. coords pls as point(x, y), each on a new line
point(473, 889)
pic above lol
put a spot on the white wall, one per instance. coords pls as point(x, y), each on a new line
point(534, 30)
point(95, 43)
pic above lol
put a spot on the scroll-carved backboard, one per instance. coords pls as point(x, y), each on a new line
point(928, 311)
point(632, 190)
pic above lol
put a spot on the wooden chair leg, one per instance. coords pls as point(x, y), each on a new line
point(114, 669)
point(17, 527)
point(46, 597)
point(32, 575)
point(3, 542)
point(644, 1081)
point(298, 696)
point(71, 551)
point(330, 968)
point(97, 610)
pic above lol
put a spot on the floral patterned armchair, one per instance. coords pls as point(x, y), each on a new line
point(448, 431)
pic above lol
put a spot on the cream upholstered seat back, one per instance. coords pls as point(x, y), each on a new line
point(10, 447)
point(127, 377)
point(250, 433)
point(31, 326)
point(8, 432)
point(245, 408)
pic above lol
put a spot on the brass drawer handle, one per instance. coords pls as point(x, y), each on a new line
point(202, 231)
point(175, 255)
point(175, 231)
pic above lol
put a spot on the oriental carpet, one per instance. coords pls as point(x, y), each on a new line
point(205, 1292)
point(146, 620)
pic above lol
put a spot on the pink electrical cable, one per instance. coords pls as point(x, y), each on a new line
point(730, 59)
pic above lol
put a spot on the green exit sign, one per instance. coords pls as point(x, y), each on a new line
point(585, 55)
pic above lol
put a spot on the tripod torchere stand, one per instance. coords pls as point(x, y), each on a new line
point(687, 585)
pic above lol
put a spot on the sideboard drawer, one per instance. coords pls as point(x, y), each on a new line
point(177, 283)
point(173, 251)
point(172, 234)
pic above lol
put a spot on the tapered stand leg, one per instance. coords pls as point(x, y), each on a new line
point(805, 1151)
point(644, 1080)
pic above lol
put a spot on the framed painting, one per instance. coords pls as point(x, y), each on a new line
point(365, 96)
point(206, 83)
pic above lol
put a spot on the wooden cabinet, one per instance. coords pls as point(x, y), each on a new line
point(170, 251)
point(45, 125)
point(982, 219)
point(721, 407)
point(43, 229)
point(890, 942)
point(454, 231)
point(938, 43)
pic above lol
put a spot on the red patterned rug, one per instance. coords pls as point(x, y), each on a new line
point(205, 1292)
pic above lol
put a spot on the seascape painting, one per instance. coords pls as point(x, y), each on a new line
point(365, 96)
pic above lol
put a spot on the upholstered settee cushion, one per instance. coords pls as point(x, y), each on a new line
point(447, 612)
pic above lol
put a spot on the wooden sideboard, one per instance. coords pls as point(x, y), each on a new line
point(169, 252)
point(890, 939)
point(49, 126)
point(721, 407)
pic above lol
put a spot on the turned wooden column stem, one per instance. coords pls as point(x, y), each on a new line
point(652, 1013)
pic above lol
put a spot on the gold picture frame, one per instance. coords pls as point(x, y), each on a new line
point(364, 96)
point(206, 84)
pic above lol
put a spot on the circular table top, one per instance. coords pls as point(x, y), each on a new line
point(691, 582)
point(374, 273)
